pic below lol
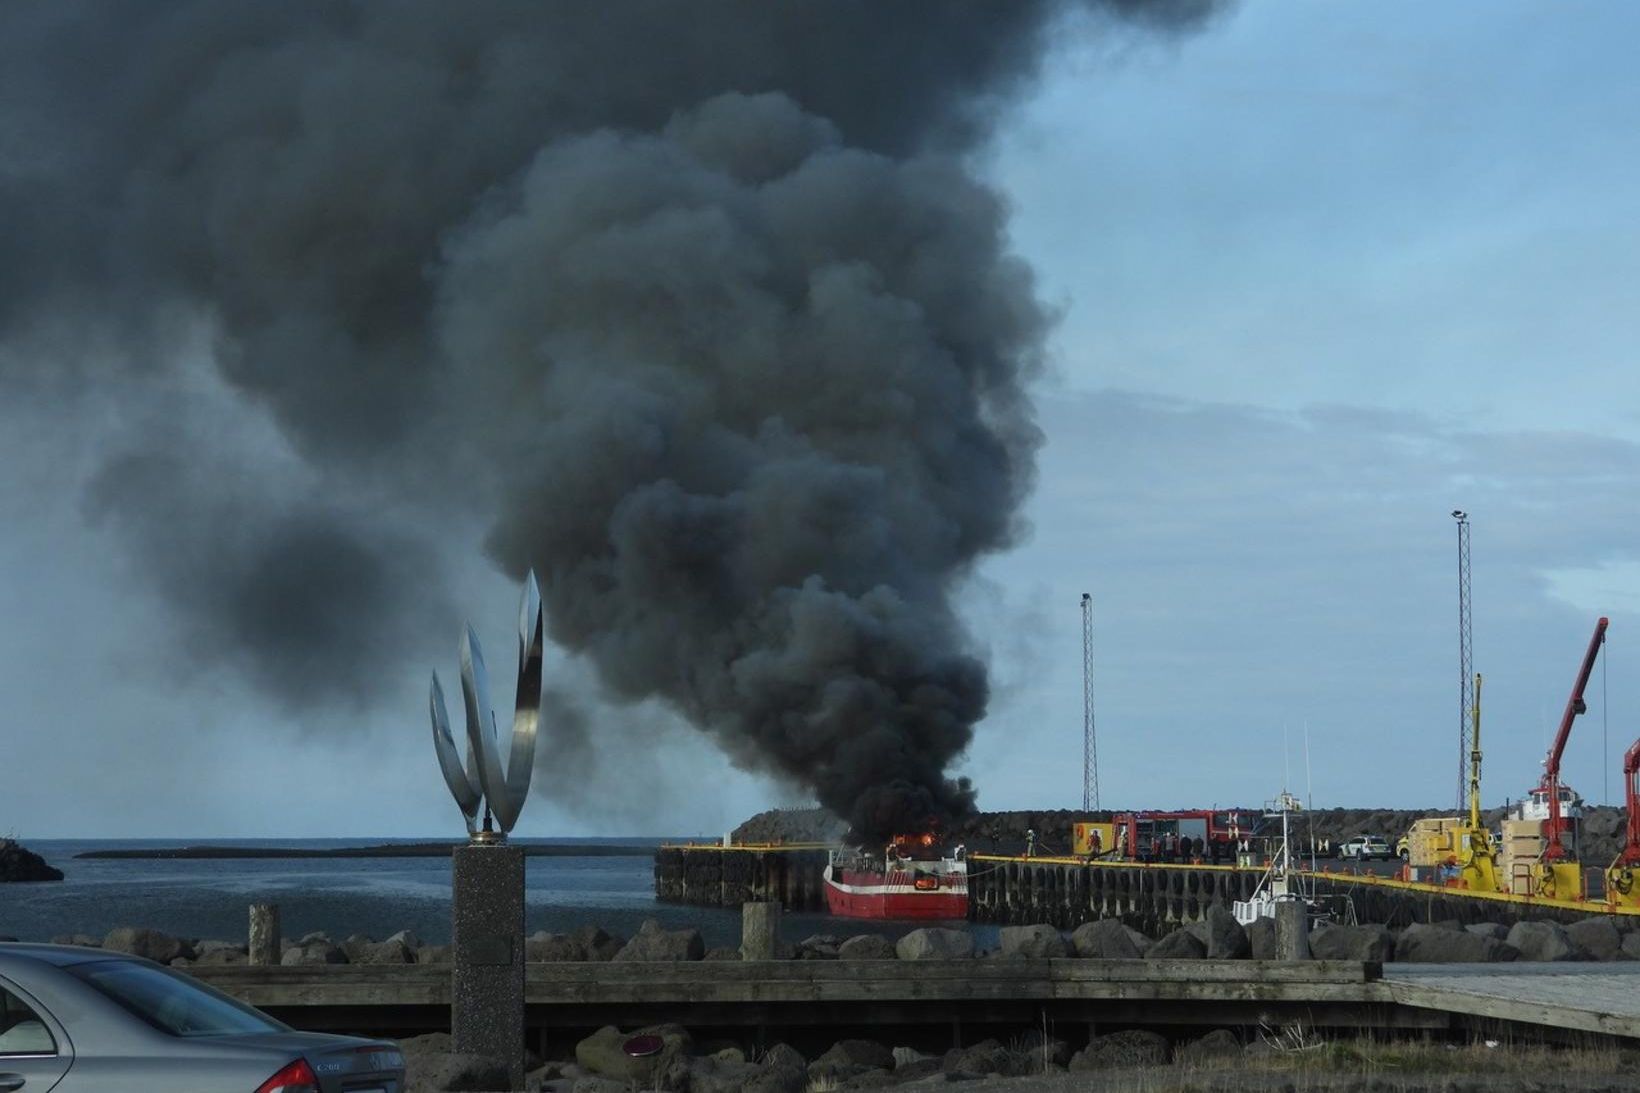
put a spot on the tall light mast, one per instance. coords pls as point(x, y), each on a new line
point(1465, 655)
point(1090, 745)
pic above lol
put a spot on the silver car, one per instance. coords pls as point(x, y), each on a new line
point(87, 1021)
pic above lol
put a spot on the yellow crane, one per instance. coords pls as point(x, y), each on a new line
point(1446, 843)
point(1477, 857)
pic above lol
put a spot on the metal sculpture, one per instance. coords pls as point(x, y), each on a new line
point(483, 780)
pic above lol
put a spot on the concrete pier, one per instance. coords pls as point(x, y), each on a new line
point(718, 876)
point(1067, 893)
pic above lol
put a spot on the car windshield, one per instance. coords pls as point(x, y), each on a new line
point(173, 1003)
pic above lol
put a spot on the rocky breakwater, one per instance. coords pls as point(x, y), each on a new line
point(1217, 936)
point(19, 864)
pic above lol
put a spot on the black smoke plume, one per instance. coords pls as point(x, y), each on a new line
point(696, 304)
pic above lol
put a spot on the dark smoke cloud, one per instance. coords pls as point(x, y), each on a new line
point(694, 304)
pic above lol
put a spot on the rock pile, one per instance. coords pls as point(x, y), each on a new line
point(1218, 937)
point(21, 865)
point(603, 1063)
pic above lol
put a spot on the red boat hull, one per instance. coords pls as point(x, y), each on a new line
point(857, 894)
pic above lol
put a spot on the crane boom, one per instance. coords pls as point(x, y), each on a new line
point(1631, 794)
point(1575, 705)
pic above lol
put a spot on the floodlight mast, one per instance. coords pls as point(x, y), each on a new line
point(1090, 743)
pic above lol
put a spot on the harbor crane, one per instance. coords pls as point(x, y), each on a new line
point(1558, 874)
point(1620, 878)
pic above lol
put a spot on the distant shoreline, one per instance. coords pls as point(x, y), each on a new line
point(382, 850)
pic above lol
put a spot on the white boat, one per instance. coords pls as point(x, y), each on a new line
point(1282, 882)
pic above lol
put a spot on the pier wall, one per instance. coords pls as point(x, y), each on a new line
point(1067, 893)
point(718, 876)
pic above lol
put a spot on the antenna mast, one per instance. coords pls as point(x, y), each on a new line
point(1465, 656)
point(1090, 744)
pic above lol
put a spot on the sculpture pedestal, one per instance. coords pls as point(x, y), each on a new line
point(487, 950)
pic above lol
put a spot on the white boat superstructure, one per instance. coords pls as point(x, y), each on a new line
point(1282, 881)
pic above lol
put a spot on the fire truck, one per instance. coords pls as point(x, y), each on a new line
point(1191, 835)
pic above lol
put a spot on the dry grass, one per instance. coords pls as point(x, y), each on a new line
point(1299, 1061)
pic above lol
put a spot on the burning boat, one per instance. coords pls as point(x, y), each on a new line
point(913, 878)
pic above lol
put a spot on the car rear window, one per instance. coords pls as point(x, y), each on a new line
point(173, 1003)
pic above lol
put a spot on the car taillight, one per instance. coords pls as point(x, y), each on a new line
point(297, 1077)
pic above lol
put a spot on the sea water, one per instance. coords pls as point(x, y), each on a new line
point(209, 897)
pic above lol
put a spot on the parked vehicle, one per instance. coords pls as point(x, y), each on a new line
point(1366, 848)
point(76, 1020)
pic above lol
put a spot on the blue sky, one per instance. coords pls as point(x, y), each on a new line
point(1325, 272)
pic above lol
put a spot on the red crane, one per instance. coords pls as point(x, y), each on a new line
point(1575, 705)
point(1630, 856)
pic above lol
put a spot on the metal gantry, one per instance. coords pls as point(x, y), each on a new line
point(1090, 744)
point(1465, 656)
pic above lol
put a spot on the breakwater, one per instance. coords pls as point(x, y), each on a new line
point(1067, 892)
point(719, 876)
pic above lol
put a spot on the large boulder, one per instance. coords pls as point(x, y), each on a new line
point(384, 952)
point(1221, 1043)
point(1141, 940)
point(1542, 941)
point(1131, 1048)
point(866, 947)
point(599, 944)
point(1179, 945)
point(1037, 941)
point(1424, 944)
point(1337, 941)
point(773, 1078)
point(1631, 945)
point(1596, 938)
point(433, 954)
point(989, 1057)
point(1105, 939)
point(1044, 1049)
point(655, 943)
point(818, 947)
point(153, 945)
point(604, 1053)
point(542, 948)
point(22, 865)
point(720, 1073)
point(314, 952)
point(435, 1072)
point(221, 955)
point(407, 938)
point(1497, 931)
point(1261, 938)
point(935, 943)
point(1226, 940)
point(353, 945)
point(861, 1053)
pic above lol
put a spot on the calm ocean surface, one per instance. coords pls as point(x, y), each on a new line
point(373, 896)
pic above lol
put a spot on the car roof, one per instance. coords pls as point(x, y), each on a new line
point(61, 956)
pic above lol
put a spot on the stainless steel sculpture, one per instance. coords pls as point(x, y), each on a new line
point(483, 780)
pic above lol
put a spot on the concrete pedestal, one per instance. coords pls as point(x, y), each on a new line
point(487, 950)
point(1292, 930)
point(759, 930)
point(263, 942)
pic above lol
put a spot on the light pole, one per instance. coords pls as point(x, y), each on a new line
point(1465, 651)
